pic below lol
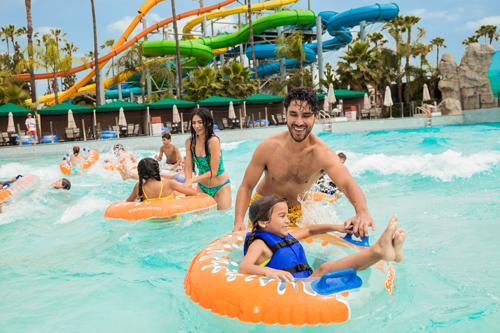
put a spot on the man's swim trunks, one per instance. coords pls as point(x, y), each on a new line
point(74, 171)
point(293, 212)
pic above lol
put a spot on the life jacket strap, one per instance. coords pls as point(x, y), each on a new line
point(298, 268)
point(283, 243)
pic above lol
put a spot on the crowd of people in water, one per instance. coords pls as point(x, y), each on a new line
point(283, 169)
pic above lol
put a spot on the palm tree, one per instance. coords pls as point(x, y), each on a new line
point(291, 47)
point(89, 55)
point(330, 78)
point(56, 33)
point(492, 33)
point(394, 28)
point(8, 32)
point(409, 22)
point(237, 81)
point(204, 84)
point(70, 80)
point(178, 66)
point(132, 62)
point(29, 32)
point(470, 40)
point(250, 29)
point(377, 38)
point(438, 42)
point(109, 43)
point(98, 77)
point(359, 66)
point(482, 32)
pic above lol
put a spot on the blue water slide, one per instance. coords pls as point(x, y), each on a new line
point(337, 26)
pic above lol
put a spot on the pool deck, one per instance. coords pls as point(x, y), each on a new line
point(29, 152)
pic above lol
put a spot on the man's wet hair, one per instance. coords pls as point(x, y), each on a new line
point(301, 95)
point(342, 156)
point(66, 184)
point(166, 136)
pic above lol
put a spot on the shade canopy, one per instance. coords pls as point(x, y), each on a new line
point(219, 101)
point(343, 94)
point(231, 114)
point(366, 102)
point(15, 109)
point(63, 108)
point(326, 106)
point(264, 98)
point(122, 121)
point(331, 95)
point(71, 120)
point(168, 103)
point(425, 94)
point(175, 115)
point(10, 125)
point(116, 105)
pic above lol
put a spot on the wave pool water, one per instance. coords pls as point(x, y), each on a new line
point(63, 267)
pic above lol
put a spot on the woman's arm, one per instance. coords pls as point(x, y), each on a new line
point(133, 196)
point(248, 264)
point(319, 229)
point(189, 160)
point(215, 153)
point(181, 188)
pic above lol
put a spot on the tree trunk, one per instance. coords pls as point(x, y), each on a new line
point(96, 57)
point(178, 66)
point(250, 28)
point(400, 88)
point(143, 84)
point(30, 49)
point(437, 56)
point(54, 87)
point(408, 57)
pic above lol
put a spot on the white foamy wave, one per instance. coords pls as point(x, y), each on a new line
point(45, 173)
point(87, 205)
point(231, 145)
point(446, 166)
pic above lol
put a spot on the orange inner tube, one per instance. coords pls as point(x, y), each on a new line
point(321, 197)
point(159, 209)
point(91, 160)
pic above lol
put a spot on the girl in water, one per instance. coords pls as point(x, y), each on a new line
point(203, 149)
point(152, 187)
point(75, 161)
point(269, 216)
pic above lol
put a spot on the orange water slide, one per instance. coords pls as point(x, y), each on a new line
point(120, 46)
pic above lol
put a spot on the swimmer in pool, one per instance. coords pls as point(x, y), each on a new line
point(75, 161)
point(179, 177)
point(151, 187)
point(61, 184)
point(171, 152)
point(325, 184)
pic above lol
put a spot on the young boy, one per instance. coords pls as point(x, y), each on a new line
point(325, 184)
point(171, 152)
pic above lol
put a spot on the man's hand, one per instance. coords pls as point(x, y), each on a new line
point(359, 224)
point(238, 227)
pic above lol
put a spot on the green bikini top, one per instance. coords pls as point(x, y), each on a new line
point(203, 163)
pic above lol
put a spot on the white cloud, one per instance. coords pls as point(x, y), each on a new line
point(121, 25)
point(490, 20)
point(45, 30)
point(424, 14)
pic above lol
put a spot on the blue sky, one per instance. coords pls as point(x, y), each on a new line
point(452, 20)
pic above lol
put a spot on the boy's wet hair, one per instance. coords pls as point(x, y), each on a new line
point(118, 147)
point(148, 168)
point(301, 95)
point(342, 156)
point(261, 209)
point(66, 184)
point(166, 136)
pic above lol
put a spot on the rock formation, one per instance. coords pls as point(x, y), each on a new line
point(466, 85)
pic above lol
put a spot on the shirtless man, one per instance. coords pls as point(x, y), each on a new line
point(293, 161)
point(171, 152)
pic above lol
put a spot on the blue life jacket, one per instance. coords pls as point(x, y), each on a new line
point(288, 254)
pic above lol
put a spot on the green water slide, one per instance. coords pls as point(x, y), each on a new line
point(199, 51)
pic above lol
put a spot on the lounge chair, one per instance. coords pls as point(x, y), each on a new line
point(136, 129)
point(221, 125)
point(224, 122)
point(69, 134)
point(273, 120)
point(130, 129)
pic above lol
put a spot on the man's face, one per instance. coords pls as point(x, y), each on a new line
point(300, 120)
point(29, 116)
point(57, 184)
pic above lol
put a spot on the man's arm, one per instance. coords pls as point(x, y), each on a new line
point(344, 181)
point(252, 175)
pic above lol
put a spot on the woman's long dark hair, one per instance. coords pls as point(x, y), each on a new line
point(261, 209)
point(146, 169)
point(76, 150)
point(208, 123)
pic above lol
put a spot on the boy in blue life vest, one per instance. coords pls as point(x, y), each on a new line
point(271, 251)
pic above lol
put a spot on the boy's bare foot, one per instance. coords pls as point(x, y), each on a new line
point(384, 245)
point(397, 242)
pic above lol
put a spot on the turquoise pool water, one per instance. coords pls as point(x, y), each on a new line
point(63, 267)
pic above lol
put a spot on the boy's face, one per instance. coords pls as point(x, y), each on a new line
point(278, 224)
point(57, 184)
point(342, 160)
point(165, 141)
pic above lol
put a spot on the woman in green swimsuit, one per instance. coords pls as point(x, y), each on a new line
point(203, 149)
